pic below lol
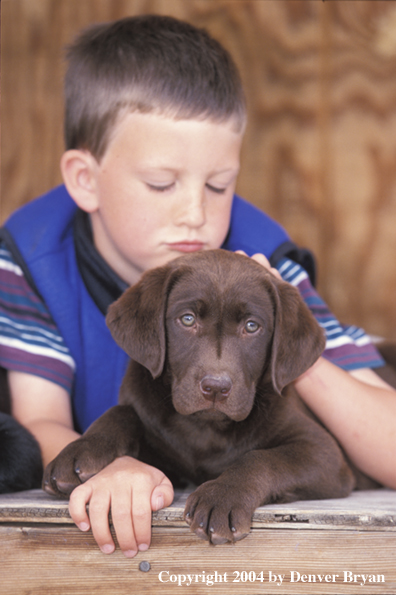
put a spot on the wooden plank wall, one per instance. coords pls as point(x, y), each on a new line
point(320, 149)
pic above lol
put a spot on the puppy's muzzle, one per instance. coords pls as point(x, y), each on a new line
point(216, 387)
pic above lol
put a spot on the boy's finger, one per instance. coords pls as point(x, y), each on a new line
point(141, 518)
point(99, 507)
point(77, 506)
point(263, 260)
point(121, 514)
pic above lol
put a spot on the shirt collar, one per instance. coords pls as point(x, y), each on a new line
point(102, 283)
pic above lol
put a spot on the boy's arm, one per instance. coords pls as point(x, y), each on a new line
point(43, 407)
point(128, 488)
point(359, 409)
point(354, 404)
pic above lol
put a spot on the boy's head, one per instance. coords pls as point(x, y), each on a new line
point(147, 64)
point(155, 116)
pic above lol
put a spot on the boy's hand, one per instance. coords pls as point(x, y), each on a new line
point(131, 490)
point(263, 260)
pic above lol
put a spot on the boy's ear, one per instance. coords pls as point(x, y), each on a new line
point(78, 169)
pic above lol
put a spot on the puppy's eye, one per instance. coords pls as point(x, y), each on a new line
point(251, 326)
point(188, 320)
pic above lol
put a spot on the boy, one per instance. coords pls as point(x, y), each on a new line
point(155, 116)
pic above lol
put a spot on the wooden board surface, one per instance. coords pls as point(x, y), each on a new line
point(368, 509)
point(60, 560)
point(352, 550)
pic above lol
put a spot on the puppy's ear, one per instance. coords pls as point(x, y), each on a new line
point(137, 319)
point(298, 339)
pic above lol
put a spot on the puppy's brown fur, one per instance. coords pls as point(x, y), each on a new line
point(215, 340)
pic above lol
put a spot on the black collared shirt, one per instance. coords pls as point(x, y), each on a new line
point(103, 284)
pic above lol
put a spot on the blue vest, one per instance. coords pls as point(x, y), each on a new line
point(43, 244)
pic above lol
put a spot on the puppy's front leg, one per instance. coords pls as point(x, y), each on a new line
point(115, 434)
point(220, 510)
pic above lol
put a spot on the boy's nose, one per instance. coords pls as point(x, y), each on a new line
point(192, 212)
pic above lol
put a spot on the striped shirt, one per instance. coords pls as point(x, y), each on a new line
point(349, 347)
point(30, 341)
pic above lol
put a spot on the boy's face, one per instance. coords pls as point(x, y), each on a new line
point(164, 187)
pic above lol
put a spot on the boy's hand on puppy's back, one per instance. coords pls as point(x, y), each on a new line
point(263, 260)
point(128, 489)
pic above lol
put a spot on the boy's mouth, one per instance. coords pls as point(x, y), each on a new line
point(186, 246)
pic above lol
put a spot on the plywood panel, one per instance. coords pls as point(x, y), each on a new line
point(320, 148)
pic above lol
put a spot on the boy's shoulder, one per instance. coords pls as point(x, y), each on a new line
point(41, 226)
point(39, 230)
point(42, 214)
point(252, 230)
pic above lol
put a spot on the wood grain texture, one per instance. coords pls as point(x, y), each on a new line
point(61, 560)
point(366, 510)
point(320, 148)
point(41, 551)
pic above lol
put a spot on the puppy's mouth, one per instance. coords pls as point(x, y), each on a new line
point(211, 414)
point(214, 412)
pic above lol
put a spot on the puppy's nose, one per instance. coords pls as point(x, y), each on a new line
point(216, 387)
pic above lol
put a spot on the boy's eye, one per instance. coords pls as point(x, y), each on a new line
point(160, 188)
point(187, 320)
point(216, 190)
point(165, 187)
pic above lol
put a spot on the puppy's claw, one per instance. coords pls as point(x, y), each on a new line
point(238, 535)
point(187, 518)
point(201, 534)
point(216, 539)
point(47, 487)
point(83, 477)
point(65, 487)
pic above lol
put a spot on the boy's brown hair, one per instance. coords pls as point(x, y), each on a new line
point(146, 63)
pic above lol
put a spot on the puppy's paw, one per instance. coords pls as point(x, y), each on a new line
point(75, 464)
point(219, 512)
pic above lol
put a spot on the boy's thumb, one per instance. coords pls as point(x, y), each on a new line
point(162, 495)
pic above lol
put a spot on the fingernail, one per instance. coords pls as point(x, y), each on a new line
point(130, 553)
point(108, 548)
point(160, 502)
point(83, 526)
point(143, 547)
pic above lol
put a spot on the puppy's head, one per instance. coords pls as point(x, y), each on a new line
point(220, 323)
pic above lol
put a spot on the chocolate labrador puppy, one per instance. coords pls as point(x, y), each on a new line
point(215, 340)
